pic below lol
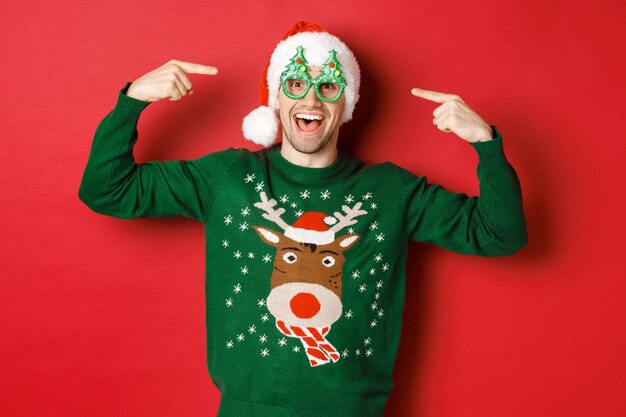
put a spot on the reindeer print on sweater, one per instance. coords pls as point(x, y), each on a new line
point(308, 237)
point(305, 287)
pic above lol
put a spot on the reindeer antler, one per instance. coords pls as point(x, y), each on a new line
point(348, 219)
point(271, 214)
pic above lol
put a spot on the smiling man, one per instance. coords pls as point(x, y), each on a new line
point(310, 125)
point(305, 246)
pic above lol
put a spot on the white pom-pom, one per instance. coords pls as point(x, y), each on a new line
point(329, 220)
point(261, 126)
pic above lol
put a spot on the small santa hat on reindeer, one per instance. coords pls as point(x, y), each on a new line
point(312, 227)
point(261, 125)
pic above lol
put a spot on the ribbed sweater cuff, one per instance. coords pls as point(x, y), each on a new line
point(127, 108)
point(491, 153)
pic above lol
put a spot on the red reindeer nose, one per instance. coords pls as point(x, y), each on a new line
point(304, 305)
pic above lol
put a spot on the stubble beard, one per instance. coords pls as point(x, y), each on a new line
point(305, 145)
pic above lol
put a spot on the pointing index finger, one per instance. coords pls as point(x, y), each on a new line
point(193, 68)
point(432, 95)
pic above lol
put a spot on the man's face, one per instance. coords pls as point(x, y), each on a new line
point(306, 135)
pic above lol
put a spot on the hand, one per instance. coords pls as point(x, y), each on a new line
point(456, 116)
point(167, 81)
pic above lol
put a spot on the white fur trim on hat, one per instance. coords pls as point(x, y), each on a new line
point(310, 236)
point(261, 126)
point(317, 46)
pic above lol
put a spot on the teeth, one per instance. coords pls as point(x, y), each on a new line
point(309, 116)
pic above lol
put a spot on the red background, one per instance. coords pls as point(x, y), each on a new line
point(105, 317)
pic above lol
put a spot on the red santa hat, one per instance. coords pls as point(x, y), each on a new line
point(312, 227)
point(261, 125)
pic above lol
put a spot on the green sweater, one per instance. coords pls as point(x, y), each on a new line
point(305, 267)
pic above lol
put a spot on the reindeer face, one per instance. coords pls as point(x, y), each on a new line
point(306, 280)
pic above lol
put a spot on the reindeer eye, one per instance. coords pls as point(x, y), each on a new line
point(290, 257)
point(328, 261)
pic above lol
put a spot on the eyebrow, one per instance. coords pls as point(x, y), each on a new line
point(291, 248)
point(328, 251)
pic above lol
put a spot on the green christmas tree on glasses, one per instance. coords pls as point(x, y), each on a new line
point(296, 79)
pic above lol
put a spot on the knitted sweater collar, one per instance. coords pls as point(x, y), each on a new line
point(305, 174)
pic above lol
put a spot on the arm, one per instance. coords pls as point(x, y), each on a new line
point(490, 225)
point(113, 184)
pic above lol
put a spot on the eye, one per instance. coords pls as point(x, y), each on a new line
point(295, 83)
point(328, 86)
point(290, 257)
point(328, 261)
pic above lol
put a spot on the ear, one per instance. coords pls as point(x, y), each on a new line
point(346, 241)
point(268, 235)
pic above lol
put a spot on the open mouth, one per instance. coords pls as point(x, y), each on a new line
point(308, 123)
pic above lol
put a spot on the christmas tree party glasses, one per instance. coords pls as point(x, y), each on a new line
point(297, 81)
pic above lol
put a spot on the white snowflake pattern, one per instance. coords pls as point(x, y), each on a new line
point(348, 314)
point(351, 230)
point(265, 352)
point(374, 206)
point(349, 198)
point(299, 213)
point(228, 219)
point(260, 302)
point(377, 296)
point(229, 302)
point(267, 257)
point(367, 196)
point(369, 352)
point(263, 338)
point(296, 349)
point(367, 341)
point(245, 211)
point(250, 255)
point(284, 198)
point(237, 254)
point(249, 178)
point(356, 274)
point(293, 205)
point(305, 194)
point(243, 226)
point(244, 270)
point(344, 354)
point(374, 306)
point(241, 337)
point(357, 352)
point(229, 344)
point(373, 271)
point(265, 317)
point(362, 287)
point(252, 329)
point(385, 267)
point(325, 195)
point(237, 288)
point(380, 237)
point(225, 243)
point(259, 186)
point(379, 284)
point(282, 342)
point(373, 323)
point(374, 225)
point(381, 312)
point(378, 257)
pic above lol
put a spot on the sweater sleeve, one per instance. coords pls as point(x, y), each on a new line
point(490, 225)
point(114, 185)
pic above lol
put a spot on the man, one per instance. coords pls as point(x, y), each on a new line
point(306, 246)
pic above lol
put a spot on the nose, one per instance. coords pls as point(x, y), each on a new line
point(311, 97)
point(304, 305)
